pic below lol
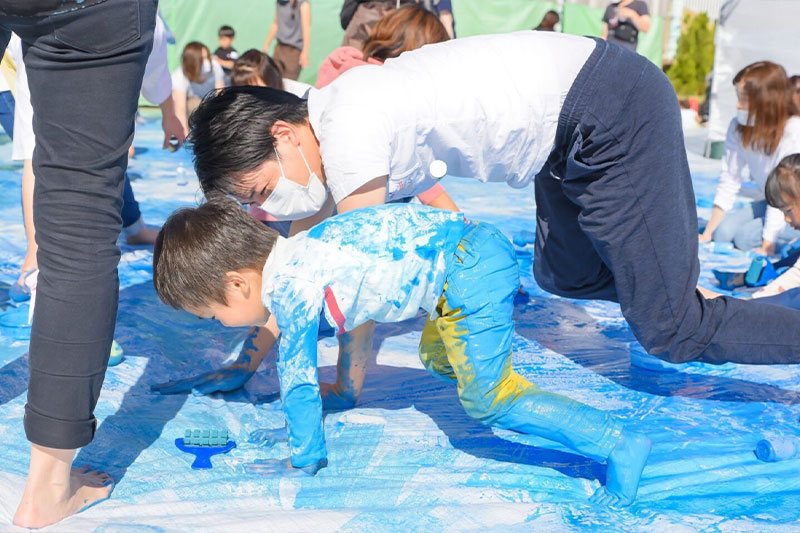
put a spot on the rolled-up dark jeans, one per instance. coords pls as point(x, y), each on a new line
point(85, 62)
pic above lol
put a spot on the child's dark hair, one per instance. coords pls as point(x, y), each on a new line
point(255, 64)
point(230, 133)
point(198, 245)
point(226, 31)
point(783, 183)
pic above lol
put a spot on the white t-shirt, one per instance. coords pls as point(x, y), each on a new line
point(486, 106)
point(297, 88)
point(737, 158)
point(156, 83)
point(24, 141)
point(198, 90)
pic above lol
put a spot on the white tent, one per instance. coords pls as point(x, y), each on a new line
point(750, 31)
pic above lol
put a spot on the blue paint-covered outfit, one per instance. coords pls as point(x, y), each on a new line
point(384, 263)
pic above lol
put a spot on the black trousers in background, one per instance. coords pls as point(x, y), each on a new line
point(85, 68)
point(616, 220)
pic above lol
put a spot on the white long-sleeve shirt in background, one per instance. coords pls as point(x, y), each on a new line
point(156, 87)
point(738, 158)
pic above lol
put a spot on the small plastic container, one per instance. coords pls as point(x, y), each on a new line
point(182, 175)
point(775, 449)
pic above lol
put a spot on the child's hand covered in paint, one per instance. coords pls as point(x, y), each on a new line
point(283, 468)
point(334, 398)
point(268, 437)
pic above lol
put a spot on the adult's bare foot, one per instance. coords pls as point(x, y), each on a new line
point(55, 491)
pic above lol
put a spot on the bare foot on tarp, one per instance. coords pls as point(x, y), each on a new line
point(47, 503)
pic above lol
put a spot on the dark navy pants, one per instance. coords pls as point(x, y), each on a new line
point(616, 220)
point(790, 298)
point(85, 61)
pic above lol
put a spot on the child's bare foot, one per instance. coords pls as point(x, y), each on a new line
point(54, 491)
point(146, 236)
point(625, 465)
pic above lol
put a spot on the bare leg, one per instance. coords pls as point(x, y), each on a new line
point(27, 214)
point(707, 293)
point(55, 490)
point(144, 236)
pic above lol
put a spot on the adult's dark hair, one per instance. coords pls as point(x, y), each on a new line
point(192, 61)
point(549, 21)
point(783, 183)
point(226, 31)
point(255, 65)
point(197, 246)
point(766, 87)
point(230, 133)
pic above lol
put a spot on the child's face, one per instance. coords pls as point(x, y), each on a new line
point(225, 42)
point(243, 307)
point(792, 212)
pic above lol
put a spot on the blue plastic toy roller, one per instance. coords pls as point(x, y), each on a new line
point(761, 272)
point(204, 443)
point(778, 449)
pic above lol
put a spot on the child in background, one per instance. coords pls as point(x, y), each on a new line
point(381, 263)
point(197, 76)
point(782, 192)
point(226, 54)
point(795, 81)
point(549, 21)
point(259, 69)
point(292, 28)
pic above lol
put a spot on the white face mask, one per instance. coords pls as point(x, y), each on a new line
point(292, 201)
point(741, 117)
point(206, 66)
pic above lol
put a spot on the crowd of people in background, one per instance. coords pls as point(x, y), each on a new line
point(364, 42)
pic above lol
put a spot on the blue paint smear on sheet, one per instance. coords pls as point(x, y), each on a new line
point(408, 458)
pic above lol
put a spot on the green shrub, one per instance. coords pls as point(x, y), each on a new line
point(695, 56)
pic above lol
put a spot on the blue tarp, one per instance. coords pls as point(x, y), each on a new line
point(407, 458)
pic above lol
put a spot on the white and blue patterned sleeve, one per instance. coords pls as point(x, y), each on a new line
point(297, 310)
